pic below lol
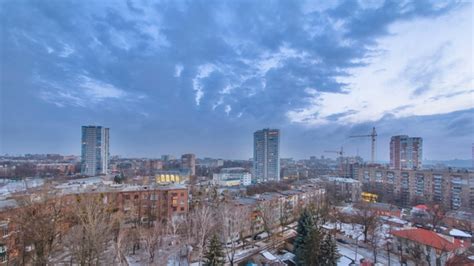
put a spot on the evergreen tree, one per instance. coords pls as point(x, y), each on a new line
point(312, 246)
point(305, 226)
point(214, 256)
point(329, 253)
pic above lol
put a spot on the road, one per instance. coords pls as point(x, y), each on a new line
point(350, 251)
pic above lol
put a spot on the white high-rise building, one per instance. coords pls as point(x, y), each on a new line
point(266, 155)
point(95, 150)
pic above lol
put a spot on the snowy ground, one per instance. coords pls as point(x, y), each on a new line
point(349, 252)
point(10, 186)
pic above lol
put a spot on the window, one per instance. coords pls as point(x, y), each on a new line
point(4, 229)
point(3, 253)
point(135, 197)
point(127, 197)
point(182, 209)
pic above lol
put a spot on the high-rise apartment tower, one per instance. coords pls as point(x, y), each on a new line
point(188, 162)
point(266, 155)
point(406, 152)
point(95, 150)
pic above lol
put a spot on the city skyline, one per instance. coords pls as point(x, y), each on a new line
point(191, 78)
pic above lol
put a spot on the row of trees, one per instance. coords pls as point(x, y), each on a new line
point(85, 229)
point(89, 229)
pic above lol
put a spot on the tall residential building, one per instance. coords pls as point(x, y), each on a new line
point(188, 162)
point(406, 152)
point(266, 155)
point(95, 150)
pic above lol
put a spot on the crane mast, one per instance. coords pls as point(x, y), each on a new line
point(373, 137)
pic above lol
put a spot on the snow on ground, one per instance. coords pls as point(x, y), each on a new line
point(353, 231)
point(12, 186)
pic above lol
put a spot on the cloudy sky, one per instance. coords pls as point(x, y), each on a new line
point(201, 76)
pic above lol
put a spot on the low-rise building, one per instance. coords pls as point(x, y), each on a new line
point(426, 247)
point(235, 176)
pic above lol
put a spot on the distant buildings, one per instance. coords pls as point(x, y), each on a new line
point(344, 188)
point(167, 157)
point(453, 189)
point(235, 176)
point(266, 155)
point(406, 152)
point(188, 162)
point(95, 150)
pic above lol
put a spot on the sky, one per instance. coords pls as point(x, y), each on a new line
point(172, 77)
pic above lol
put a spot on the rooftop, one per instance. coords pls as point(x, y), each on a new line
point(429, 238)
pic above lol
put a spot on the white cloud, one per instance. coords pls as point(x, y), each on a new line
point(66, 52)
point(98, 90)
point(228, 108)
point(178, 69)
point(203, 72)
point(83, 91)
point(425, 69)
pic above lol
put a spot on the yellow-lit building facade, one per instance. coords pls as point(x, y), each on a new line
point(369, 197)
point(170, 177)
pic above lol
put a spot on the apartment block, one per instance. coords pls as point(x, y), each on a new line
point(406, 152)
point(453, 189)
point(266, 155)
point(94, 150)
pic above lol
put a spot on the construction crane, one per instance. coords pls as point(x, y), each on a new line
point(340, 152)
point(341, 155)
point(373, 137)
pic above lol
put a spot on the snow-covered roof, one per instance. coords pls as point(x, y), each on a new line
point(459, 233)
point(268, 255)
point(394, 220)
point(287, 256)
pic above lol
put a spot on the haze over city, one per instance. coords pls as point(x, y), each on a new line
point(201, 76)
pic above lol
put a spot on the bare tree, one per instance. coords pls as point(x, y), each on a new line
point(175, 225)
point(365, 217)
point(269, 214)
point(153, 238)
point(201, 223)
point(232, 221)
point(375, 239)
point(120, 246)
point(436, 213)
point(38, 221)
point(417, 254)
point(88, 239)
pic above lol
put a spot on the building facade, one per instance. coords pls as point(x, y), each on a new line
point(266, 155)
point(95, 150)
point(453, 189)
point(406, 152)
point(188, 162)
point(235, 176)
